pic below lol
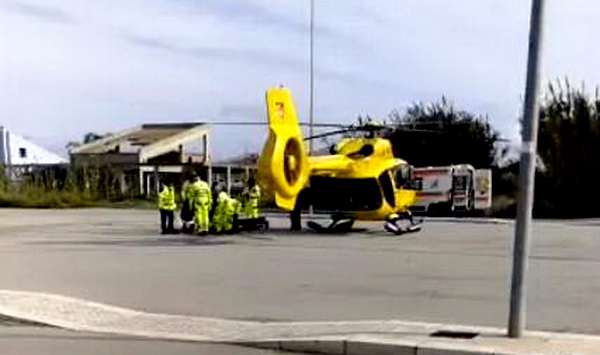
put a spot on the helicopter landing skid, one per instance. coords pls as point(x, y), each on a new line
point(400, 225)
point(336, 226)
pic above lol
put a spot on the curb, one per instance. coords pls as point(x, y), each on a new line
point(369, 337)
point(358, 347)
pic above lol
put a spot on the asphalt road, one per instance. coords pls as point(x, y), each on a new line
point(449, 272)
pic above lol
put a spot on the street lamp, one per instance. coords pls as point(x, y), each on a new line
point(518, 293)
point(312, 76)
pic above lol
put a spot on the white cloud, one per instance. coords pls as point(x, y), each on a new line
point(72, 66)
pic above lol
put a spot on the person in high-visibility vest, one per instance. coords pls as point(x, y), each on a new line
point(225, 211)
point(167, 206)
point(253, 199)
point(187, 206)
point(236, 207)
point(202, 198)
point(214, 189)
point(220, 212)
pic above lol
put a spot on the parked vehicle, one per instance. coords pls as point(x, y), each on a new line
point(453, 189)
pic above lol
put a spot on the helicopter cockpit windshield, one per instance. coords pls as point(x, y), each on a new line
point(404, 177)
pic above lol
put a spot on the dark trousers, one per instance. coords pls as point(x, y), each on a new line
point(166, 221)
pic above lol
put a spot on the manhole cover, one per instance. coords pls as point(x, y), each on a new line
point(453, 334)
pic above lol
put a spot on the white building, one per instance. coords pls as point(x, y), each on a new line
point(16, 150)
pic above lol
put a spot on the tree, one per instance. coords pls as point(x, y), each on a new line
point(569, 139)
point(439, 134)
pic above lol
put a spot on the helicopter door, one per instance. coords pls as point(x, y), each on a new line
point(345, 195)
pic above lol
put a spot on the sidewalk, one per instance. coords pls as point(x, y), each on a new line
point(355, 337)
point(416, 341)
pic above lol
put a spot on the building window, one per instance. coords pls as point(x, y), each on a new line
point(23, 152)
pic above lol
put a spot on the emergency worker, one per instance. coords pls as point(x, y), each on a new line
point(253, 199)
point(215, 189)
point(235, 208)
point(225, 211)
point(202, 201)
point(187, 206)
point(167, 206)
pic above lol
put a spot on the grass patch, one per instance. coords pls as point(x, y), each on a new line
point(43, 199)
point(40, 198)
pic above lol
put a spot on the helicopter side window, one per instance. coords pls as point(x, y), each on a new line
point(388, 189)
point(339, 194)
point(404, 177)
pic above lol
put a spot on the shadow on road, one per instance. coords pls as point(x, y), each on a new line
point(150, 239)
point(286, 232)
point(146, 242)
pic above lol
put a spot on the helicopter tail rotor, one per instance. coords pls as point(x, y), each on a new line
point(283, 166)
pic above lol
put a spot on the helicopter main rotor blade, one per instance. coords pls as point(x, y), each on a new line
point(261, 123)
point(343, 128)
point(361, 129)
point(330, 133)
point(417, 130)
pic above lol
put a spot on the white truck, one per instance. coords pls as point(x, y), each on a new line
point(453, 189)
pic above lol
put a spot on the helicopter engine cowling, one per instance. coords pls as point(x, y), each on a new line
point(283, 167)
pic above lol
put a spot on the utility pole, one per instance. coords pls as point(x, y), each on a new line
point(518, 293)
point(312, 76)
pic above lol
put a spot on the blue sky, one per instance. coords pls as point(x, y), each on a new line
point(72, 66)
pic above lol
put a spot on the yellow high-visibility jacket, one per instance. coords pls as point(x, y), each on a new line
point(166, 199)
point(202, 195)
point(251, 209)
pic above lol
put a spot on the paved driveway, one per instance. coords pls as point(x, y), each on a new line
point(450, 272)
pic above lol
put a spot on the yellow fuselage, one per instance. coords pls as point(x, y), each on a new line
point(367, 181)
point(345, 165)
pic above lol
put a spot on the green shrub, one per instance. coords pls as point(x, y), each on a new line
point(30, 197)
point(67, 188)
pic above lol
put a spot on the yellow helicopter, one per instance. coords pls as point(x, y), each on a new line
point(360, 180)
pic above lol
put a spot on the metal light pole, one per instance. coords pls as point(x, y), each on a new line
point(312, 75)
point(518, 294)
